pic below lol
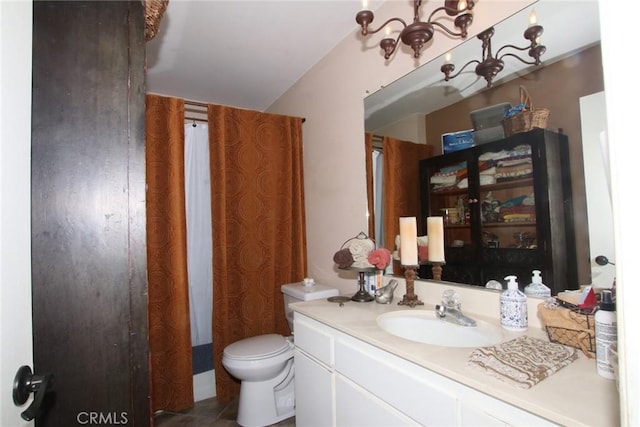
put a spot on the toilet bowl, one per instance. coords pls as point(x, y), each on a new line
point(264, 365)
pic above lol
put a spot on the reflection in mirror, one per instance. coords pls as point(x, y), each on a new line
point(421, 106)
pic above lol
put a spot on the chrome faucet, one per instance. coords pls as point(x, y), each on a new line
point(449, 310)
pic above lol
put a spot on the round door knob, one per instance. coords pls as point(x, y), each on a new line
point(25, 383)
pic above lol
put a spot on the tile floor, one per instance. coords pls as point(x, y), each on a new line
point(207, 413)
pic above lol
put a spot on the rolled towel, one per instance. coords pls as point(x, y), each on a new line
point(343, 258)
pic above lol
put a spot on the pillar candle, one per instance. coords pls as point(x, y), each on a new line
point(435, 233)
point(408, 241)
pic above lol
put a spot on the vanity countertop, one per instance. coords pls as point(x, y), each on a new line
point(575, 395)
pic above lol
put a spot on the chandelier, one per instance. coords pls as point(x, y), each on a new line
point(418, 32)
point(491, 65)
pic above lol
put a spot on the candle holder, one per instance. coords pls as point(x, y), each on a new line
point(410, 298)
point(436, 268)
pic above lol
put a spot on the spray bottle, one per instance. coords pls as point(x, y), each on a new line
point(513, 307)
point(606, 334)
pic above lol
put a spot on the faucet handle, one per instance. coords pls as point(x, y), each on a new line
point(450, 299)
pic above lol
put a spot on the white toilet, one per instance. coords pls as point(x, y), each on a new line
point(264, 365)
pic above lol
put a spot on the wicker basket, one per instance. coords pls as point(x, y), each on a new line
point(528, 118)
point(570, 328)
point(154, 9)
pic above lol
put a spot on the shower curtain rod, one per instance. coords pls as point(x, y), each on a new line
point(195, 103)
point(204, 105)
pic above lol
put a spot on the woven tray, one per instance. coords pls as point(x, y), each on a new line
point(529, 118)
point(570, 328)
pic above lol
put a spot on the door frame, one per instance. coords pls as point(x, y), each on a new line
point(16, 347)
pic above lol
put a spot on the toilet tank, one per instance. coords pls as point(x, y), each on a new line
point(306, 290)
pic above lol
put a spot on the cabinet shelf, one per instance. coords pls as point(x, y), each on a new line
point(450, 191)
point(512, 183)
point(457, 225)
point(508, 224)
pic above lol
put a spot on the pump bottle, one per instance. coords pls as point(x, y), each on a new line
point(606, 334)
point(513, 307)
point(536, 288)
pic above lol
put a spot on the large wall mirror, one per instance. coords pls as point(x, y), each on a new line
point(421, 106)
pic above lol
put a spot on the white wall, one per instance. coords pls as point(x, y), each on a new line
point(15, 201)
point(624, 154)
point(593, 122)
point(411, 128)
point(330, 96)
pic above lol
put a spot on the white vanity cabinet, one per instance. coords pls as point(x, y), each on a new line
point(344, 381)
point(314, 373)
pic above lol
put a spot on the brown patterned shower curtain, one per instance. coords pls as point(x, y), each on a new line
point(168, 310)
point(259, 237)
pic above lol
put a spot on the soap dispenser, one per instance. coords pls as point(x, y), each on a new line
point(536, 288)
point(513, 307)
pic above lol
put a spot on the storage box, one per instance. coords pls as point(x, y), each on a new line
point(483, 136)
point(489, 117)
point(487, 123)
point(455, 141)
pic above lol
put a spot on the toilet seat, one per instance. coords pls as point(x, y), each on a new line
point(258, 347)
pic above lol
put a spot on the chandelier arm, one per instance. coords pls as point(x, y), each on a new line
point(513, 55)
point(388, 21)
point(522, 49)
point(438, 9)
point(475, 61)
point(444, 28)
point(395, 47)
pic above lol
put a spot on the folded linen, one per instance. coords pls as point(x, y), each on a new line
point(523, 361)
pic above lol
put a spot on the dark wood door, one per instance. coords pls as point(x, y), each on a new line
point(88, 212)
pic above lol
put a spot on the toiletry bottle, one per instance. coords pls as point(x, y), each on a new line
point(606, 333)
point(513, 307)
point(536, 288)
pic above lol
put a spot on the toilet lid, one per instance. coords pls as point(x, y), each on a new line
point(260, 346)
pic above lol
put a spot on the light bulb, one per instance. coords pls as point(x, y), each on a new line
point(532, 18)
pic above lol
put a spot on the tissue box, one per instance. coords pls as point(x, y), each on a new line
point(455, 141)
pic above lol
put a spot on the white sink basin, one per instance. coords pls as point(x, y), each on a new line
point(425, 327)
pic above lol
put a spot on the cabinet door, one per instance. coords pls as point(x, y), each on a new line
point(357, 407)
point(448, 182)
point(314, 392)
point(509, 207)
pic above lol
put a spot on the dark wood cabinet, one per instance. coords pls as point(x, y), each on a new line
point(507, 210)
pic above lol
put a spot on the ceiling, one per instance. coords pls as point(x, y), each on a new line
point(244, 53)
point(247, 53)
